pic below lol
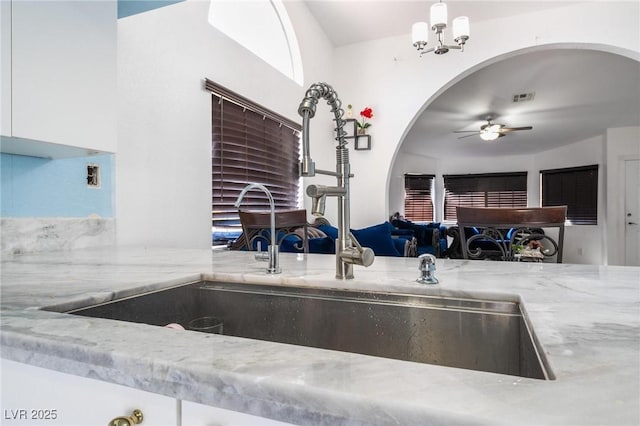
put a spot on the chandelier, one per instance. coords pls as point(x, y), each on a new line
point(420, 31)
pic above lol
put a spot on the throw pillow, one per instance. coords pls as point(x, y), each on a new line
point(378, 238)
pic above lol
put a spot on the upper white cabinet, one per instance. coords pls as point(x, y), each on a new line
point(59, 79)
point(5, 71)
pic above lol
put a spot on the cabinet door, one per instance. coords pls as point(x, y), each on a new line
point(64, 72)
point(38, 396)
point(194, 414)
point(5, 71)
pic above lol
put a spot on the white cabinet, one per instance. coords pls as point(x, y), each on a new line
point(38, 396)
point(33, 395)
point(59, 60)
point(204, 415)
point(5, 71)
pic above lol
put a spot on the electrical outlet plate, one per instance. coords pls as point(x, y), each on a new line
point(93, 175)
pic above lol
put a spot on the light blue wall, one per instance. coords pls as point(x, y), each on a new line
point(132, 7)
point(39, 187)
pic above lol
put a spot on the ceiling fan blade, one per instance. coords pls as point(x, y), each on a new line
point(466, 136)
point(465, 131)
point(513, 129)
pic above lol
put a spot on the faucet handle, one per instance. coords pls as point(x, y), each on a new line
point(362, 256)
point(261, 255)
point(357, 254)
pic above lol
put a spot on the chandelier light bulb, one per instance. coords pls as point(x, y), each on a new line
point(460, 27)
point(438, 15)
point(420, 33)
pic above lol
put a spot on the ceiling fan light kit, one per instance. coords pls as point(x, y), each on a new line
point(490, 131)
point(420, 31)
point(489, 136)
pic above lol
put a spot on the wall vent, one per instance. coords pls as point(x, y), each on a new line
point(523, 97)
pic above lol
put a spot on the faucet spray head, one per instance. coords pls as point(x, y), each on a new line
point(318, 194)
point(318, 205)
point(318, 199)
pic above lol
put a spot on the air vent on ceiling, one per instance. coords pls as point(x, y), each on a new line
point(523, 97)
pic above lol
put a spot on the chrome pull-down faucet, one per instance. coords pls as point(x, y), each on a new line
point(348, 251)
point(273, 251)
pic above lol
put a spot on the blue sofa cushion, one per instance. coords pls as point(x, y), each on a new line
point(330, 231)
point(423, 233)
point(400, 244)
point(406, 233)
point(322, 245)
point(378, 238)
point(293, 244)
point(425, 249)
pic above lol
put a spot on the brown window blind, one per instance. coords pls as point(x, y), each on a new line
point(484, 190)
point(250, 144)
point(418, 206)
point(576, 188)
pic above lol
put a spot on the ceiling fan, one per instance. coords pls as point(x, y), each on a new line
point(491, 131)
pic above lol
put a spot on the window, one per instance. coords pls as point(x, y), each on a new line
point(249, 144)
point(484, 190)
point(576, 188)
point(418, 206)
point(263, 27)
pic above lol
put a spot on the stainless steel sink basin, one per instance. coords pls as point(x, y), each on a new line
point(484, 335)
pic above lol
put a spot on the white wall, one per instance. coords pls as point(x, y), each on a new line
point(413, 163)
point(621, 144)
point(163, 171)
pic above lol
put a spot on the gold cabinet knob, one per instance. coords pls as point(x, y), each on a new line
point(134, 419)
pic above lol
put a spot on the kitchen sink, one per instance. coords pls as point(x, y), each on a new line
point(485, 335)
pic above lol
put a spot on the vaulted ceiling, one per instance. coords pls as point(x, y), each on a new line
point(577, 94)
point(354, 21)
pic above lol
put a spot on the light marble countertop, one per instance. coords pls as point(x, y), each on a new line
point(586, 317)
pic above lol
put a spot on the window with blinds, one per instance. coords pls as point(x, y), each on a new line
point(250, 144)
point(418, 206)
point(484, 190)
point(576, 188)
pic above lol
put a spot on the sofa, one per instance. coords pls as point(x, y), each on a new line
point(378, 237)
point(430, 237)
point(322, 235)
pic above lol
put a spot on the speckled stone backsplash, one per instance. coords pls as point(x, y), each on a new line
point(33, 235)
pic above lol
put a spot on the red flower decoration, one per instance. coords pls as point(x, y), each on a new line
point(365, 113)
